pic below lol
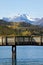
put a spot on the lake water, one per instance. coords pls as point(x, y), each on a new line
point(29, 55)
point(30, 62)
point(5, 61)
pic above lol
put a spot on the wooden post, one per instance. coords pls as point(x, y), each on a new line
point(31, 40)
point(13, 56)
point(23, 40)
point(41, 40)
point(15, 40)
point(6, 41)
point(2, 40)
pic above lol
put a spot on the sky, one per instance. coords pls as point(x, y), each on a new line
point(29, 52)
point(5, 52)
point(10, 8)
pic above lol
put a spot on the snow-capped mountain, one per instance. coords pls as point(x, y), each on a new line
point(5, 19)
point(40, 22)
point(24, 18)
point(19, 18)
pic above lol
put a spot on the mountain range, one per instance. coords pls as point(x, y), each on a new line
point(21, 23)
point(24, 18)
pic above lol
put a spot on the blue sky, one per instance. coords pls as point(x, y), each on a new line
point(34, 8)
point(26, 52)
point(5, 52)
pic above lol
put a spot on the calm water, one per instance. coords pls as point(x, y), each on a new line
point(5, 61)
point(29, 55)
point(30, 62)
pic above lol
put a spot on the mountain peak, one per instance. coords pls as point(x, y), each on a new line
point(24, 18)
point(18, 18)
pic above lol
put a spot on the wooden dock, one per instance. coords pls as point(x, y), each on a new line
point(29, 40)
point(22, 40)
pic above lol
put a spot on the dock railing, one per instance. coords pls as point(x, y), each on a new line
point(21, 40)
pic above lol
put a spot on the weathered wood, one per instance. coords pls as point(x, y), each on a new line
point(22, 40)
point(36, 40)
point(13, 55)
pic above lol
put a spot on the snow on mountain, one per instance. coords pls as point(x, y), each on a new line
point(40, 22)
point(19, 18)
point(25, 18)
point(6, 19)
